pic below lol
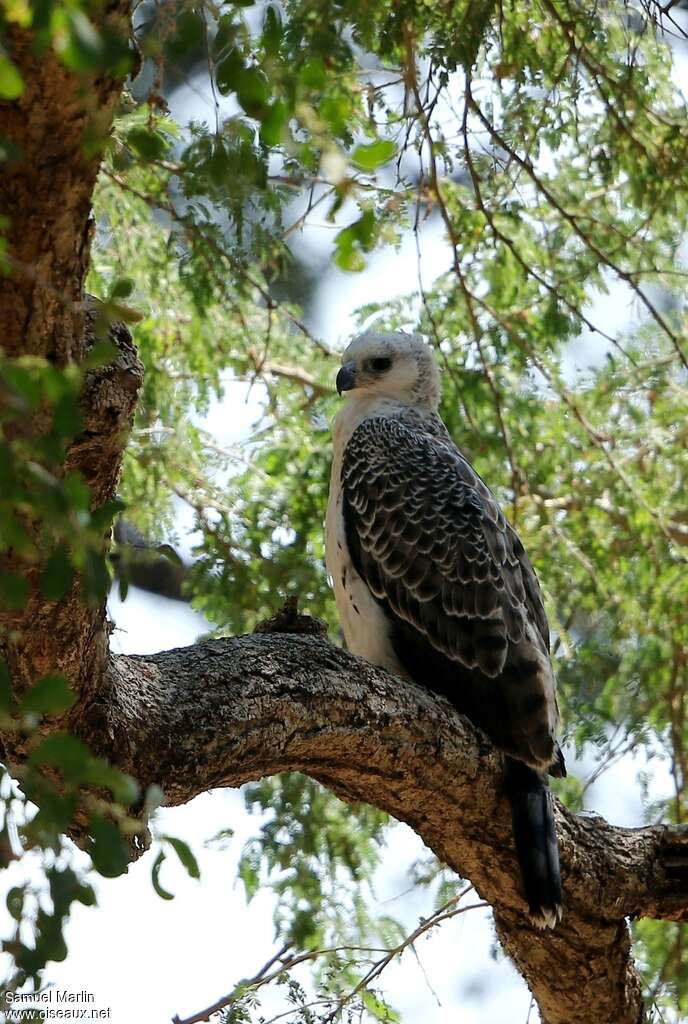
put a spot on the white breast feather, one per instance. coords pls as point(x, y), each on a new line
point(365, 626)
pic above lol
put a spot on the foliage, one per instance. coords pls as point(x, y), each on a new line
point(308, 853)
point(550, 140)
point(68, 540)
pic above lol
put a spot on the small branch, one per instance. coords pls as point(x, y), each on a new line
point(566, 215)
point(260, 978)
point(424, 118)
point(295, 374)
point(264, 976)
point(193, 232)
point(443, 914)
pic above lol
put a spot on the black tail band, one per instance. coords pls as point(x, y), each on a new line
point(536, 841)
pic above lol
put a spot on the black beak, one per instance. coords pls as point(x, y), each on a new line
point(346, 378)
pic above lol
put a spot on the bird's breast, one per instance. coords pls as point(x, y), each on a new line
point(366, 628)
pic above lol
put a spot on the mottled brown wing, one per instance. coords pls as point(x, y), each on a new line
point(428, 537)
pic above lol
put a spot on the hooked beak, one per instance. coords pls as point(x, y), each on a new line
point(346, 378)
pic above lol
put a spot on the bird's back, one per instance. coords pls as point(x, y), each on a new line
point(462, 610)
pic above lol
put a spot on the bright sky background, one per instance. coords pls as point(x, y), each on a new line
point(148, 959)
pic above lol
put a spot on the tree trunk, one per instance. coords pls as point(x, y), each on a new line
point(60, 125)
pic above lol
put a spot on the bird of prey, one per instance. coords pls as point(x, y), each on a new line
point(432, 582)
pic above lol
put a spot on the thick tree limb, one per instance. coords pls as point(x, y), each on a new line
point(141, 564)
point(225, 712)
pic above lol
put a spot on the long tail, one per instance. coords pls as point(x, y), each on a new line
point(536, 841)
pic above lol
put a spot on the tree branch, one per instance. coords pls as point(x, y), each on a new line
point(226, 712)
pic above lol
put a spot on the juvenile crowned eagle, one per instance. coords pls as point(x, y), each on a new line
point(432, 583)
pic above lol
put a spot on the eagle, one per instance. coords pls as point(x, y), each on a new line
point(432, 583)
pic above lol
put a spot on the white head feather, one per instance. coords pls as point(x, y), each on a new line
point(396, 367)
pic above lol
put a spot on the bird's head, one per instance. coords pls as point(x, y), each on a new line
point(397, 366)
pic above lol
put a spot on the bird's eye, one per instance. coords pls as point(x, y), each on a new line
point(379, 365)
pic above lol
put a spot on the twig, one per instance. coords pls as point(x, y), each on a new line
point(443, 914)
point(487, 372)
point(266, 975)
point(604, 258)
point(258, 979)
point(511, 245)
point(296, 374)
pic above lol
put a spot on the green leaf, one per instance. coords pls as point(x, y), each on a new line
point(6, 696)
point(185, 855)
point(149, 144)
point(155, 877)
point(55, 809)
point(352, 240)
point(81, 46)
point(373, 155)
point(119, 311)
point(122, 288)
point(57, 575)
point(60, 750)
point(313, 74)
point(101, 518)
point(170, 554)
point(15, 902)
point(272, 30)
point(248, 873)
point(378, 1008)
point(107, 848)
point(273, 124)
point(67, 416)
point(227, 31)
point(102, 353)
point(9, 150)
point(253, 91)
point(49, 696)
point(79, 767)
point(24, 381)
point(77, 492)
point(85, 47)
point(228, 71)
point(11, 81)
point(189, 37)
point(14, 591)
point(95, 575)
point(124, 788)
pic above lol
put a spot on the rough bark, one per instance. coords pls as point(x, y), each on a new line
point(225, 712)
point(71, 636)
point(59, 125)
